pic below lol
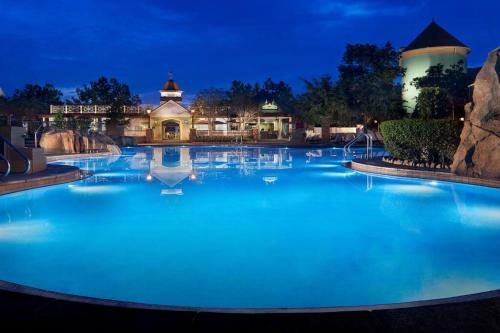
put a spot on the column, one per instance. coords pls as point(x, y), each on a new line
point(290, 128)
point(279, 128)
point(258, 127)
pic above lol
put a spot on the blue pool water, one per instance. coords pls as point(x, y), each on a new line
point(250, 228)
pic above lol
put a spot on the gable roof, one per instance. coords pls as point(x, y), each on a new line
point(170, 109)
point(433, 36)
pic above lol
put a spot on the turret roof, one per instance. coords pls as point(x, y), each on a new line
point(434, 36)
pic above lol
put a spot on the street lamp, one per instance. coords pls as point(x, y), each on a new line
point(148, 111)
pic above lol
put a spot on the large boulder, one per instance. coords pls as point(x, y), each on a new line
point(60, 142)
point(478, 154)
point(72, 142)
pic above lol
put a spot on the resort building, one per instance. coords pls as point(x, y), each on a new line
point(171, 120)
point(432, 46)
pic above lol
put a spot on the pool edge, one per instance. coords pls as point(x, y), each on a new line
point(364, 166)
point(21, 289)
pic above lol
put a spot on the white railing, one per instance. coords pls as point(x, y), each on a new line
point(95, 109)
point(223, 133)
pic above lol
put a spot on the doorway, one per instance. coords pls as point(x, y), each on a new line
point(171, 130)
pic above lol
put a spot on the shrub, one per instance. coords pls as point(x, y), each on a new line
point(427, 141)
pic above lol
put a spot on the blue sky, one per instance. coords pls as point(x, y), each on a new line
point(210, 43)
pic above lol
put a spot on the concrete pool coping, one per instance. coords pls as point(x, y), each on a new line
point(58, 157)
point(377, 166)
point(55, 174)
point(470, 313)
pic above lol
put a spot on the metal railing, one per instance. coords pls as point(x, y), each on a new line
point(96, 109)
point(369, 144)
point(37, 131)
point(238, 140)
point(232, 133)
point(27, 169)
point(7, 166)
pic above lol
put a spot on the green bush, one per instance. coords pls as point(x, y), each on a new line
point(427, 141)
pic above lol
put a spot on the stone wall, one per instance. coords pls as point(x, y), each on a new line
point(478, 154)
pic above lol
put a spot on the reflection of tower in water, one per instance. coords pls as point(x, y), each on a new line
point(171, 166)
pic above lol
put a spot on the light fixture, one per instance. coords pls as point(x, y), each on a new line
point(462, 119)
point(149, 178)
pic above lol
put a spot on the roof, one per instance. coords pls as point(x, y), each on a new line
point(170, 109)
point(269, 106)
point(433, 36)
point(171, 85)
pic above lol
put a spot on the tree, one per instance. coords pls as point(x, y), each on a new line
point(59, 120)
point(210, 103)
point(110, 92)
point(243, 101)
point(322, 99)
point(368, 81)
point(431, 104)
point(33, 100)
point(451, 83)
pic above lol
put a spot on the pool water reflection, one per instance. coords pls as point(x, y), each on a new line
point(243, 227)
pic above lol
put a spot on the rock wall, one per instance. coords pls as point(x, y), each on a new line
point(72, 142)
point(478, 154)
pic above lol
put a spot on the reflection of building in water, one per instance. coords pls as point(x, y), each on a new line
point(253, 159)
point(171, 166)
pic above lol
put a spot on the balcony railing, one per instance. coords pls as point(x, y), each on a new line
point(201, 133)
point(95, 109)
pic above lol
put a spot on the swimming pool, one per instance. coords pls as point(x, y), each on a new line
point(241, 227)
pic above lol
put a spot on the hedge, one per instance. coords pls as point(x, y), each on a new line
point(422, 141)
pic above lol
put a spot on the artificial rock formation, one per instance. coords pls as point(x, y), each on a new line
point(72, 142)
point(478, 154)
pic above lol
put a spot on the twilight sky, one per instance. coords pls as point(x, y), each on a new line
point(210, 43)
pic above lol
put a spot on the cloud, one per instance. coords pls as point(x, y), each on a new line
point(361, 9)
point(68, 92)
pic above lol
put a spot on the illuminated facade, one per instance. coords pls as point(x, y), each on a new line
point(433, 46)
point(172, 121)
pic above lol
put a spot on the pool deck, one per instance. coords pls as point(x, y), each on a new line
point(53, 175)
point(377, 166)
point(32, 308)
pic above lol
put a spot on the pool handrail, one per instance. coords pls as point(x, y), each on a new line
point(7, 164)
point(369, 144)
point(27, 169)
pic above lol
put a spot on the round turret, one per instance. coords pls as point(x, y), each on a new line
point(433, 46)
